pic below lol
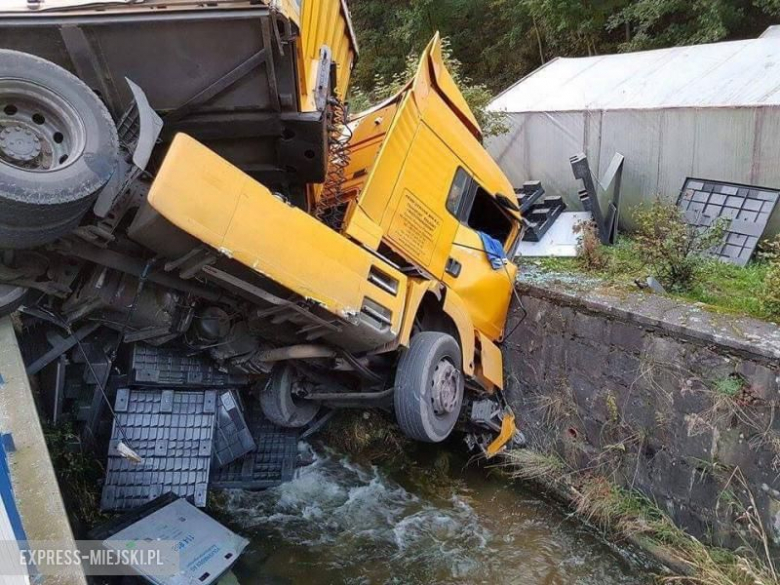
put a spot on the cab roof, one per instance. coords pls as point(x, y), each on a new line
point(433, 57)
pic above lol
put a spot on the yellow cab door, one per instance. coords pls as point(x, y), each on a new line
point(485, 290)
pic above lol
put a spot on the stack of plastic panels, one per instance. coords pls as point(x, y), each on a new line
point(270, 465)
point(746, 210)
point(170, 367)
point(173, 433)
point(233, 437)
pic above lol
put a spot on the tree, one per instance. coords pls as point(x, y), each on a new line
point(476, 95)
point(664, 23)
point(497, 42)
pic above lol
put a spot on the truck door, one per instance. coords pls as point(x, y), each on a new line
point(484, 290)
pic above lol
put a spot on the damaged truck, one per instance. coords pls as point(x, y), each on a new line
point(185, 174)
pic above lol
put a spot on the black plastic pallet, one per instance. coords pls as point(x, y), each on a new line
point(272, 464)
point(174, 367)
point(541, 217)
point(529, 194)
point(173, 433)
point(746, 208)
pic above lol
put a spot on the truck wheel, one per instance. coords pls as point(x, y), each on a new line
point(11, 298)
point(58, 148)
point(279, 403)
point(429, 387)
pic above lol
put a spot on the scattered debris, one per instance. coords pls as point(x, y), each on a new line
point(549, 232)
point(272, 463)
point(172, 367)
point(171, 522)
point(173, 432)
point(746, 208)
point(538, 212)
point(233, 437)
point(652, 284)
point(591, 197)
point(560, 240)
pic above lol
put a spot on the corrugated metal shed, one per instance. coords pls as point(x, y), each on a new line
point(709, 111)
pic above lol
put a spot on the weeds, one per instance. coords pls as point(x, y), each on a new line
point(557, 407)
point(672, 247)
point(530, 465)
point(78, 473)
point(729, 387)
point(367, 435)
point(633, 516)
point(590, 251)
point(723, 287)
point(770, 295)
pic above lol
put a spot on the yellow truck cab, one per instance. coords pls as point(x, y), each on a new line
point(395, 257)
point(183, 174)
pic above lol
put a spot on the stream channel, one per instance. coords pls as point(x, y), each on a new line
point(437, 521)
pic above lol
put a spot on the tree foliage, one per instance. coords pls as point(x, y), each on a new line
point(498, 41)
point(477, 95)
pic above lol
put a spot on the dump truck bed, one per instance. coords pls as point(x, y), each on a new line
point(247, 78)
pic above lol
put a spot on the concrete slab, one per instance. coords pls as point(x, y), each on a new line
point(35, 486)
point(560, 241)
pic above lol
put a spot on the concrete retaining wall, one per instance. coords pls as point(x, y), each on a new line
point(660, 396)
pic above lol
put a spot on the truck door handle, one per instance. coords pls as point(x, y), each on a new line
point(453, 267)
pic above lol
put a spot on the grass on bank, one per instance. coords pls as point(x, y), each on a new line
point(629, 514)
point(78, 473)
point(723, 287)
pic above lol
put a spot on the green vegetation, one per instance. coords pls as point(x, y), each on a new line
point(671, 247)
point(770, 295)
point(729, 387)
point(477, 95)
point(723, 287)
point(78, 473)
point(499, 41)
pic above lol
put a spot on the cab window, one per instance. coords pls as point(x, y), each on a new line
point(486, 216)
point(457, 194)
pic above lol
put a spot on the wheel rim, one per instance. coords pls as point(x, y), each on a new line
point(39, 129)
point(445, 387)
point(298, 391)
point(10, 294)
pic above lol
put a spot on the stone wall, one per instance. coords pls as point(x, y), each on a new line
point(663, 397)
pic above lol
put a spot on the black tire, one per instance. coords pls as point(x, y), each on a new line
point(278, 403)
point(18, 238)
point(414, 383)
point(11, 298)
point(44, 198)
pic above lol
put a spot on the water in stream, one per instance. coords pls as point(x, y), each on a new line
point(343, 522)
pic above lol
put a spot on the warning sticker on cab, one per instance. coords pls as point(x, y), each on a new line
point(415, 228)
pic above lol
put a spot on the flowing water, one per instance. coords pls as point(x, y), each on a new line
point(343, 522)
